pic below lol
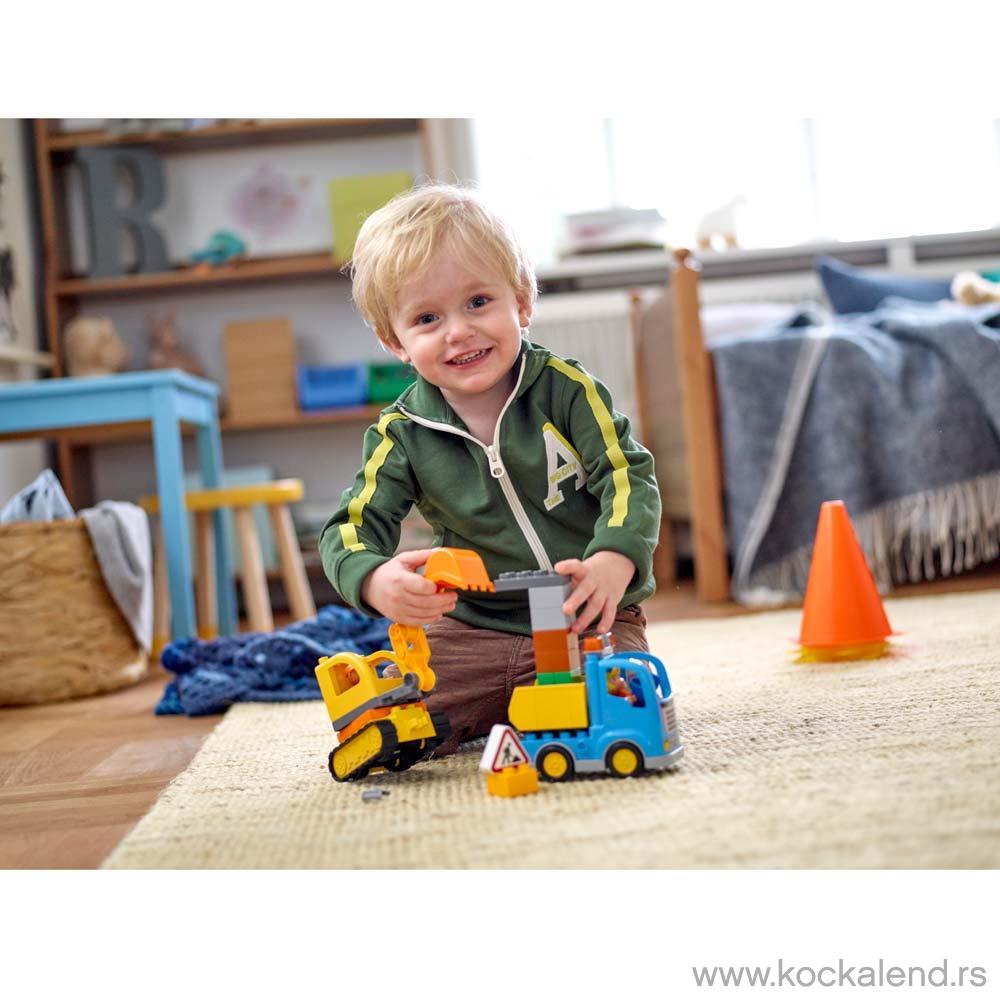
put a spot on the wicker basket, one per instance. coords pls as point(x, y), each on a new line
point(61, 634)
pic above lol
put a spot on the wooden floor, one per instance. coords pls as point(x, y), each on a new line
point(76, 776)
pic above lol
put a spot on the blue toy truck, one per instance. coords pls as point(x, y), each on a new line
point(618, 718)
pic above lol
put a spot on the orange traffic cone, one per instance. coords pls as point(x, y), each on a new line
point(843, 617)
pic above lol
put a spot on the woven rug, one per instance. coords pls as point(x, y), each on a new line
point(884, 764)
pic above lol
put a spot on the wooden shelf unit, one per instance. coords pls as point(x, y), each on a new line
point(232, 134)
point(248, 269)
point(139, 430)
point(63, 291)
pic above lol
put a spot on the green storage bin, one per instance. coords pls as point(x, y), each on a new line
point(387, 381)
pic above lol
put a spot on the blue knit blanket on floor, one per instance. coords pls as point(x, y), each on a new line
point(272, 666)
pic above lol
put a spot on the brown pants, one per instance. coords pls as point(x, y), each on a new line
point(478, 668)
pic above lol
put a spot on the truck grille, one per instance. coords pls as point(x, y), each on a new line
point(669, 715)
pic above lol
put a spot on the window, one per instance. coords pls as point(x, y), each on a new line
point(796, 180)
point(535, 171)
point(879, 179)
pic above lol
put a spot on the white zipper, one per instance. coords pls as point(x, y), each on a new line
point(499, 472)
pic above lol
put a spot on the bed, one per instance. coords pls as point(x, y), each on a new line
point(896, 410)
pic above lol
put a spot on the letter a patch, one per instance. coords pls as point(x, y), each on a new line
point(563, 462)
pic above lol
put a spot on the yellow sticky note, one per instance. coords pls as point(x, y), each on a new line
point(353, 199)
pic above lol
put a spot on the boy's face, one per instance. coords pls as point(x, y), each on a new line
point(459, 324)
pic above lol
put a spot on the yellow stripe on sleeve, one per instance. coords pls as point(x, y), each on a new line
point(355, 509)
point(349, 538)
point(619, 477)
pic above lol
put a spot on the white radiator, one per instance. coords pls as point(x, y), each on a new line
point(593, 328)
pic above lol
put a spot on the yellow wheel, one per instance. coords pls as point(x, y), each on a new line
point(623, 760)
point(555, 764)
point(370, 747)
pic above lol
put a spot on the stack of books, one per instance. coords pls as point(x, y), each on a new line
point(613, 229)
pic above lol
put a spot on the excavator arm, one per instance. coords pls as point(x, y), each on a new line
point(412, 654)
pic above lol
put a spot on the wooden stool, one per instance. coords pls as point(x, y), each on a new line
point(239, 499)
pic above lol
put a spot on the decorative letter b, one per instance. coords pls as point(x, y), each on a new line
point(105, 218)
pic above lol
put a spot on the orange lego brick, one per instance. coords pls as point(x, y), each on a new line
point(552, 652)
point(511, 781)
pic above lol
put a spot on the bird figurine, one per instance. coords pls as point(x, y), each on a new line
point(223, 247)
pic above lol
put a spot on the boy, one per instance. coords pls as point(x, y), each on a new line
point(504, 448)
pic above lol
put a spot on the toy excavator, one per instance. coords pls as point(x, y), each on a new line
point(382, 722)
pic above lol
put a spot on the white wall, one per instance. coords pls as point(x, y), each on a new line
point(19, 462)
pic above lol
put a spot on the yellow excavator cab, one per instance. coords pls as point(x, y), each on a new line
point(347, 680)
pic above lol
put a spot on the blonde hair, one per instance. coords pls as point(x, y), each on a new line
point(397, 242)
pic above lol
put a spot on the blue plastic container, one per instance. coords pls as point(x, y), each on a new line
point(327, 387)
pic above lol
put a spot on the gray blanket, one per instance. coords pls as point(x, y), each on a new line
point(119, 533)
point(895, 412)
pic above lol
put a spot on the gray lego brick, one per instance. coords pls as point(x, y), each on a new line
point(528, 580)
point(547, 619)
point(548, 597)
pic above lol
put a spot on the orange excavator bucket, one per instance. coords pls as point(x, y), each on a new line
point(457, 569)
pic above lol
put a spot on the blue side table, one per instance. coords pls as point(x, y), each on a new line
point(166, 398)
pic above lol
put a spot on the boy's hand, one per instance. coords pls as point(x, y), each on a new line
point(397, 591)
point(600, 581)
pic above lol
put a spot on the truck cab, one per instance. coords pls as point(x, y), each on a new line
point(618, 718)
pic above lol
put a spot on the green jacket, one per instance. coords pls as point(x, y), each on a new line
point(564, 479)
